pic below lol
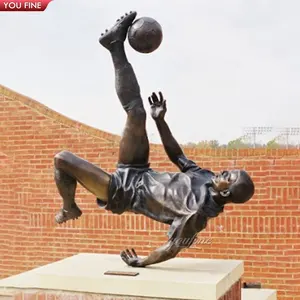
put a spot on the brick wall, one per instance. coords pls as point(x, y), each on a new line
point(264, 233)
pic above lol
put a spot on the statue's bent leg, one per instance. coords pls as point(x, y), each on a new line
point(134, 146)
point(70, 169)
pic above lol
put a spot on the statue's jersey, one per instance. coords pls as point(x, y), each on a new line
point(181, 200)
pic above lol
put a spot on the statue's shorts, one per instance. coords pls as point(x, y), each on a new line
point(123, 187)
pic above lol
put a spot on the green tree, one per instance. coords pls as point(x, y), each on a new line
point(214, 144)
point(190, 145)
point(237, 144)
point(208, 144)
point(273, 144)
point(203, 144)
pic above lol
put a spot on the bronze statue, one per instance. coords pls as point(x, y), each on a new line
point(185, 200)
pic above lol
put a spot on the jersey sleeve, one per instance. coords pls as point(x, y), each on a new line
point(185, 164)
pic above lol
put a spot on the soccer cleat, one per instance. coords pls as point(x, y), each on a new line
point(118, 32)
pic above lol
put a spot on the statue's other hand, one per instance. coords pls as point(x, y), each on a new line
point(158, 106)
point(131, 258)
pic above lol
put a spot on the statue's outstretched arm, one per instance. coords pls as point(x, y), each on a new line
point(171, 146)
point(182, 234)
point(163, 253)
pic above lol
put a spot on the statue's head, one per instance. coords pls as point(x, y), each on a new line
point(235, 186)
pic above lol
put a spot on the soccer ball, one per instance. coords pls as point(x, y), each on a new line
point(145, 35)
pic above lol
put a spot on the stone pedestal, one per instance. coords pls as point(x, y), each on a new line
point(82, 277)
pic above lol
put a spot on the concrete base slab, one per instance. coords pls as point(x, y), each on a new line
point(259, 294)
point(179, 278)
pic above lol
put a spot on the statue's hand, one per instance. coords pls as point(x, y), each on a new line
point(131, 258)
point(221, 184)
point(158, 106)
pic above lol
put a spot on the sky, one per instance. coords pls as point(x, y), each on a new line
point(222, 65)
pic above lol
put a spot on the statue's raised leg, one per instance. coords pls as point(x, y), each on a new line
point(134, 146)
